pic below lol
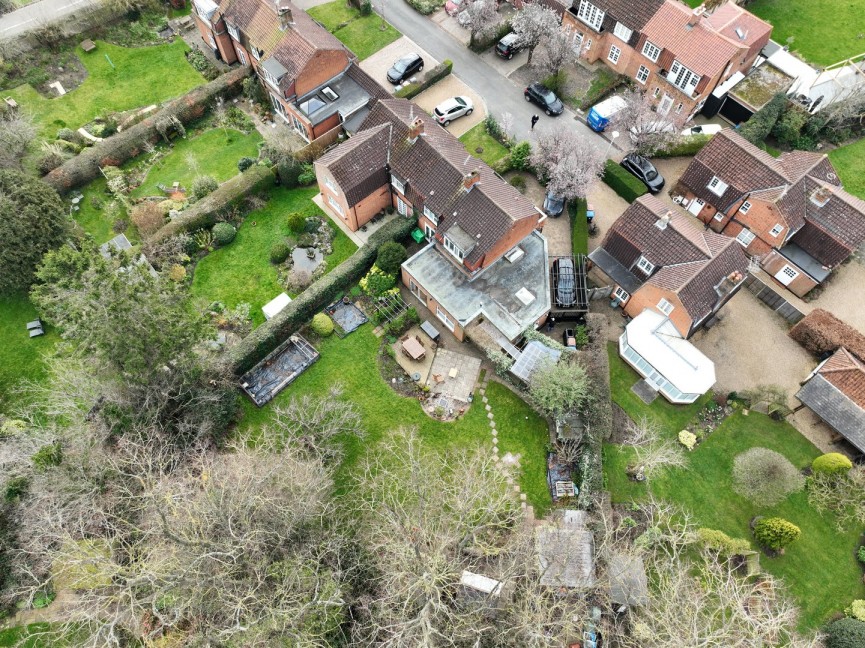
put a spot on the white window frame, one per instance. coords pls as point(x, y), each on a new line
point(642, 71)
point(615, 53)
point(269, 77)
point(656, 92)
point(665, 307)
point(590, 15)
point(454, 249)
point(254, 50)
point(331, 185)
point(588, 45)
point(621, 294)
point(719, 216)
point(233, 31)
point(430, 215)
point(683, 78)
point(717, 186)
point(622, 32)
point(645, 265)
point(745, 207)
point(429, 231)
point(397, 184)
point(651, 51)
point(212, 40)
point(787, 274)
point(401, 206)
point(776, 231)
point(334, 203)
point(445, 319)
point(745, 237)
point(242, 57)
point(679, 108)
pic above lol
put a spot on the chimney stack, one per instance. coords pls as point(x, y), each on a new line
point(283, 10)
point(664, 220)
point(416, 129)
point(695, 15)
point(471, 179)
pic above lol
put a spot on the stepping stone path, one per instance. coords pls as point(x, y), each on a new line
point(509, 461)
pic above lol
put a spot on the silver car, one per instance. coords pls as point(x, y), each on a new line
point(453, 108)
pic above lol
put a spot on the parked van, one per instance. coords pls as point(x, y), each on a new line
point(601, 114)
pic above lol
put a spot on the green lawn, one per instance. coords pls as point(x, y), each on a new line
point(138, 77)
point(820, 568)
point(21, 357)
point(849, 161)
point(363, 35)
point(214, 153)
point(242, 272)
point(476, 137)
point(579, 226)
point(670, 417)
point(29, 637)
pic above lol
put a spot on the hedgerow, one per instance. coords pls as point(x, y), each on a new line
point(622, 182)
point(431, 77)
point(821, 332)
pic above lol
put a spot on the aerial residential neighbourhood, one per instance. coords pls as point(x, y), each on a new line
point(432, 323)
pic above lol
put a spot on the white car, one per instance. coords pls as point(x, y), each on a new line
point(704, 129)
point(453, 108)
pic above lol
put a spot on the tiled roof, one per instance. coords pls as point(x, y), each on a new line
point(834, 230)
point(834, 406)
point(359, 165)
point(729, 17)
point(699, 295)
point(634, 15)
point(847, 373)
point(370, 85)
point(699, 48)
point(798, 163)
point(555, 5)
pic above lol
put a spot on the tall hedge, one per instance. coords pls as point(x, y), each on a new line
point(821, 332)
point(431, 77)
point(598, 415)
point(123, 146)
point(269, 335)
point(623, 183)
point(761, 123)
point(204, 212)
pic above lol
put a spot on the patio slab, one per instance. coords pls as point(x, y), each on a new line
point(410, 366)
point(454, 374)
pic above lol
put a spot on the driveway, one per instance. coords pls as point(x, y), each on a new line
point(379, 63)
point(449, 87)
point(842, 296)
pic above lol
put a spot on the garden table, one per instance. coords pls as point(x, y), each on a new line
point(413, 349)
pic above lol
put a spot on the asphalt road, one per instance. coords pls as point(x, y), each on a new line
point(34, 15)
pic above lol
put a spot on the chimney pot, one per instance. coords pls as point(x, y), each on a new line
point(695, 15)
point(416, 129)
point(471, 179)
point(664, 220)
point(283, 10)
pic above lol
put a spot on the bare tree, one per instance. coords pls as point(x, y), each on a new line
point(16, 134)
point(654, 453)
point(569, 163)
point(481, 18)
point(840, 494)
point(648, 129)
point(556, 51)
point(532, 24)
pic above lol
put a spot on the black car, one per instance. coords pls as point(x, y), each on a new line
point(507, 47)
point(553, 205)
point(564, 282)
point(641, 167)
point(404, 67)
point(545, 98)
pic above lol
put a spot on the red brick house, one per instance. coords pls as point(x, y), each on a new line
point(678, 54)
point(790, 213)
point(485, 258)
point(665, 261)
point(312, 80)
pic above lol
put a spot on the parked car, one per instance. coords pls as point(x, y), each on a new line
point(545, 98)
point(507, 47)
point(564, 282)
point(569, 339)
point(704, 129)
point(601, 113)
point(452, 108)
point(404, 67)
point(553, 205)
point(641, 167)
point(453, 7)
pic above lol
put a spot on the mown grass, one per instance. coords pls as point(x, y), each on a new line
point(477, 137)
point(849, 161)
point(242, 271)
point(363, 35)
point(214, 153)
point(133, 78)
point(579, 226)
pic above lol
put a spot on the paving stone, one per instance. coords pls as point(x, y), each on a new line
point(495, 449)
point(523, 497)
point(488, 408)
point(516, 488)
point(495, 432)
point(485, 400)
point(495, 441)
point(510, 480)
point(490, 415)
point(492, 423)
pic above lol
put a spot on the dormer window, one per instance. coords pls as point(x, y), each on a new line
point(398, 184)
point(454, 249)
point(821, 196)
point(622, 32)
point(235, 34)
point(645, 265)
point(717, 186)
point(651, 51)
point(590, 15)
point(430, 215)
point(256, 53)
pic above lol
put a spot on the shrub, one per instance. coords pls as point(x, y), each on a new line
point(687, 439)
point(305, 240)
point(501, 361)
point(856, 610)
point(177, 273)
point(860, 554)
point(686, 145)
point(224, 233)
point(776, 533)
point(832, 463)
point(203, 185)
point(482, 43)
point(322, 325)
point(365, 8)
point(623, 183)
point(520, 155)
point(430, 78)
point(254, 91)
point(495, 130)
point(756, 129)
point(425, 7)
point(845, 633)
point(557, 82)
point(765, 477)
point(821, 332)
point(390, 257)
point(296, 222)
point(788, 128)
point(306, 176)
point(16, 487)
point(47, 456)
point(67, 134)
point(49, 161)
point(290, 170)
point(519, 183)
point(148, 218)
point(377, 282)
point(279, 252)
point(722, 543)
point(244, 163)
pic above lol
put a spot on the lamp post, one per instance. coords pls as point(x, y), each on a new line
point(613, 136)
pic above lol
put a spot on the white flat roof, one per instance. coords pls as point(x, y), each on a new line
point(654, 337)
point(275, 305)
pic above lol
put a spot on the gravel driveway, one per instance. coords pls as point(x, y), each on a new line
point(448, 87)
point(379, 63)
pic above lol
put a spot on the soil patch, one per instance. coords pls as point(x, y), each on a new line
point(621, 422)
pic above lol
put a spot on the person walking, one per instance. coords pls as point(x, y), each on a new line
point(535, 120)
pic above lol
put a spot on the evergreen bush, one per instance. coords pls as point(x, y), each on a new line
point(224, 233)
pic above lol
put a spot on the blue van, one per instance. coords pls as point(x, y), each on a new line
point(601, 114)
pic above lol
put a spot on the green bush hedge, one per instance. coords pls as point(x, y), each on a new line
point(123, 146)
point(832, 463)
point(279, 252)
point(224, 233)
point(622, 182)
point(756, 129)
point(269, 335)
point(431, 77)
point(579, 226)
point(685, 145)
point(204, 212)
point(426, 7)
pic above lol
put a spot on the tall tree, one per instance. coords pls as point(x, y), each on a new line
point(556, 51)
point(532, 24)
point(33, 221)
point(569, 163)
point(16, 134)
point(481, 18)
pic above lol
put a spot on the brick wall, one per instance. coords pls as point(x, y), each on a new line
point(431, 304)
point(800, 286)
point(648, 296)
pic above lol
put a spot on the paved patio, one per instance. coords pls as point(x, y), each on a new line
point(412, 367)
point(359, 237)
point(453, 374)
point(379, 63)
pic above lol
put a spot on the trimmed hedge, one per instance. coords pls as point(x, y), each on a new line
point(757, 129)
point(204, 212)
point(599, 416)
point(426, 7)
point(431, 77)
point(622, 182)
point(123, 146)
point(579, 226)
point(685, 145)
point(269, 335)
point(821, 332)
